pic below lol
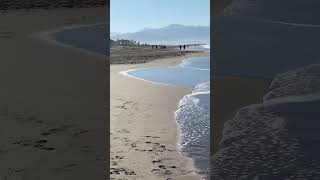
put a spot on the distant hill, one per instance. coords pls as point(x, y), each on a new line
point(172, 34)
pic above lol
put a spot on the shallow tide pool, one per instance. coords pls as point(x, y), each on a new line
point(191, 72)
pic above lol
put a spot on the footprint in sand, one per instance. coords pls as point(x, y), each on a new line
point(36, 144)
point(124, 131)
point(121, 170)
point(56, 130)
point(48, 148)
point(161, 171)
point(156, 161)
point(79, 132)
point(141, 150)
point(67, 167)
point(124, 105)
point(133, 145)
point(119, 157)
point(152, 137)
point(149, 146)
point(22, 142)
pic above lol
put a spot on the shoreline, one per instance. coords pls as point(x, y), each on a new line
point(170, 115)
point(125, 73)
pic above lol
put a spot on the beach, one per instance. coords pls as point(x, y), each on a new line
point(53, 115)
point(144, 134)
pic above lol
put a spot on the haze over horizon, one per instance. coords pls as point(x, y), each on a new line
point(132, 16)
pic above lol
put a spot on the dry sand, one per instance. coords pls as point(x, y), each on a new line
point(138, 55)
point(51, 107)
point(143, 128)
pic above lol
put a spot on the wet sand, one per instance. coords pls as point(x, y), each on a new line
point(143, 128)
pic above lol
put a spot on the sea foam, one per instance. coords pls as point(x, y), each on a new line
point(193, 119)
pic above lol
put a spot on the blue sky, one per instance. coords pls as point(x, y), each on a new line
point(134, 15)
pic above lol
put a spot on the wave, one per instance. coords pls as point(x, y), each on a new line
point(193, 120)
point(207, 46)
point(201, 63)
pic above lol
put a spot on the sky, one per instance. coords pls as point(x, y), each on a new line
point(135, 15)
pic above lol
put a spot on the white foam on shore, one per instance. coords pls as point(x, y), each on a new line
point(186, 62)
point(193, 121)
point(206, 46)
point(125, 73)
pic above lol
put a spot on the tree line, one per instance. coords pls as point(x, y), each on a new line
point(126, 43)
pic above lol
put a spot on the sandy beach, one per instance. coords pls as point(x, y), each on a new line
point(143, 128)
point(52, 105)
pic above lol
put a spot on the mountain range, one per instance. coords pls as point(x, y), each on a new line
point(172, 34)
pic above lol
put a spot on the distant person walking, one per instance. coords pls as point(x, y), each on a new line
point(184, 47)
point(156, 46)
point(180, 47)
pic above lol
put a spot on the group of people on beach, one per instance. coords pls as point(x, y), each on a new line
point(184, 47)
point(164, 47)
point(160, 46)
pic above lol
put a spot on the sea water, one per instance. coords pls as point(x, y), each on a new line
point(191, 72)
point(193, 113)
